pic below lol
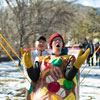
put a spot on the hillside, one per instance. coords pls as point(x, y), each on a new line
point(86, 8)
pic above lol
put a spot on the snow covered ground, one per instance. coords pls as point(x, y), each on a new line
point(90, 87)
point(12, 83)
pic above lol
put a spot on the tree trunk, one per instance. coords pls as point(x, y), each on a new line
point(19, 63)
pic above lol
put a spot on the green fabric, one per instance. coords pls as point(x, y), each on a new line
point(57, 62)
point(64, 51)
point(68, 84)
point(77, 76)
point(31, 89)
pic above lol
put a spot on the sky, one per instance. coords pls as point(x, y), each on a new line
point(93, 3)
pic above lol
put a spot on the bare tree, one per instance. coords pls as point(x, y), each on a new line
point(33, 17)
point(40, 16)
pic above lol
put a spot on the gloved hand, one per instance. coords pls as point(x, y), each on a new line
point(22, 51)
point(27, 58)
point(81, 58)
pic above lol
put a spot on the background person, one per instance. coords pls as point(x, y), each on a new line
point(91, 47)
point(97, 53)
point(85, 45)
point(40, 46)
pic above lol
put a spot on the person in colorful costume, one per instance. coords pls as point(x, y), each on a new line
point(55, 76)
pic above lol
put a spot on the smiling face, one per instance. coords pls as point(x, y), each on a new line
point(57, 45)
point(40, 45)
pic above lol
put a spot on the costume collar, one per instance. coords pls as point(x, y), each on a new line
point(54, 54)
